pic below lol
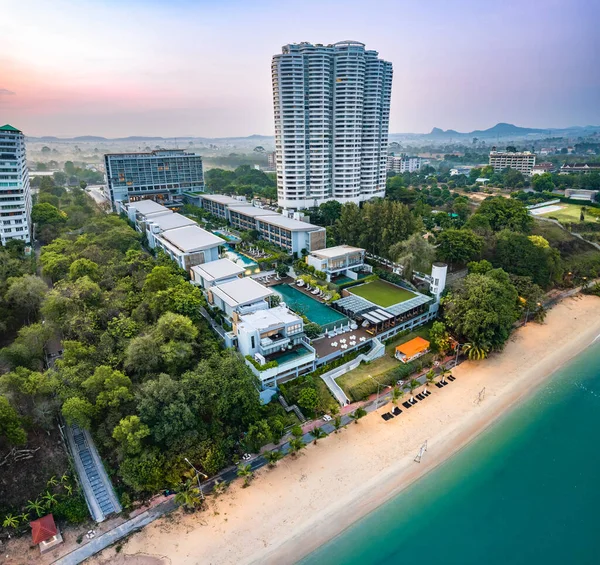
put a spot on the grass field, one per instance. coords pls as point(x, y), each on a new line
point(567, 213)
point(382, 293)
point(382, 364)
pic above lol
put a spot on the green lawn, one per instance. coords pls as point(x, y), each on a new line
point(382, 293)
point(567, 213)
point(383, 364)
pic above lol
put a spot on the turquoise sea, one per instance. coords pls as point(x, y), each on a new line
point(527, 491)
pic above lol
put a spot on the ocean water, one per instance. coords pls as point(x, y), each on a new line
point(527, 491)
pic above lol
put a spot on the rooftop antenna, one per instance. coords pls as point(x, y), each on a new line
point(421, 451)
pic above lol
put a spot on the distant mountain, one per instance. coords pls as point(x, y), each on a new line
point(140, 138)
point(509, 131)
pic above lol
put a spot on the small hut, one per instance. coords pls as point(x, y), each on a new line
point(45, 533)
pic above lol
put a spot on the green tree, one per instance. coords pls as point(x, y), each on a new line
point(245, 471)
point(482, 309)
point(439, 338)
point(459, 246)
point(259, 434)
point(502, 213)
point(542, 183)
point(187, 496)
point(317, 433)
point(10, 424)
point(397, 394)
point(296, 445)
point(78, 411)
point(43, 214)
point(272, 457)
point(308, 399)
point(520, 255)
point(26, 294)
point(330, 212)
point(358, 414)
point(414, 254)
point(84, 267)
point(129, 433)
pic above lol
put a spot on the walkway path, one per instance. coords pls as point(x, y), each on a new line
point(105, 540)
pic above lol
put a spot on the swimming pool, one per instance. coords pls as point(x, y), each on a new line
point(241, 260)
point(302, 304)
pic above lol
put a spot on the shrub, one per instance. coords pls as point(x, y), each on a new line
point(260, 367)
point(73, 510)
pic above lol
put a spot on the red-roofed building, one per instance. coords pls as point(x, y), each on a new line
point(45, 533)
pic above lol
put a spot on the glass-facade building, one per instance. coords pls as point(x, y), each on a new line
point(161, 175)
point(15, 194)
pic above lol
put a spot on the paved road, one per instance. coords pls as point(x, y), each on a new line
point(96, 191)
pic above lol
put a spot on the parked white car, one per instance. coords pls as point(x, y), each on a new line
point(327, 418)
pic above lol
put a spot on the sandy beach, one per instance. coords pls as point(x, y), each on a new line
point(289, 511)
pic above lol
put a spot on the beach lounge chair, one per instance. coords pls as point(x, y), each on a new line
point(396, 411)
point(407, 404)
point(439, 385)
point(387, 416)
point(451, 378)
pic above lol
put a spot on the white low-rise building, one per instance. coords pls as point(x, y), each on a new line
point(238, 297)
point(215, 273)
point(189, 246)
point(275, 340)
point(156, 225)
point(341, 260)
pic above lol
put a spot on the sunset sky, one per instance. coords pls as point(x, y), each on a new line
point(144, 67)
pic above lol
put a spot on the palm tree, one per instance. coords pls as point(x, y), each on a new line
point(35, 506)
point(64, 479)
point(430, 376)
point(397, 394)
point(296, 445)
point(359, 413)
point(413, 384)
point(220, 487)
point(23, 518)
point(443, 372)
point(245, 471)
point(272, 457)
point(69, 489)
point(337, 423)
point(188, 496)
point(10, 521)
point(476, 352)
point(318, 434)
point(52, 482)
point(50, 499)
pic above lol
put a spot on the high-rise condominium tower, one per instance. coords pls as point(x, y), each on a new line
point(332, 108)
point(15, 196)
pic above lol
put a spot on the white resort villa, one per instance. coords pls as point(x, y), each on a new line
point(265, 322)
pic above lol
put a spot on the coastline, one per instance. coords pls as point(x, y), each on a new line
point(290, 511)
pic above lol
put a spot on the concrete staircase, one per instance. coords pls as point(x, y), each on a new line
point(97, 488)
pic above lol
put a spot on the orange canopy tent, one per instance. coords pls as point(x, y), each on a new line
point(411, 348)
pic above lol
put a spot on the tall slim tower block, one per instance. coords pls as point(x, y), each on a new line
point(332, 108)
point(15, 194)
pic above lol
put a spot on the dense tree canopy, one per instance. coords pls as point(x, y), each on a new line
point(482, 310)
point(504, 213)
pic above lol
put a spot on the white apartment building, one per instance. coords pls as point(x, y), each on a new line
point(523, 161)
point(402, 164)
point(15, 195)
point(332, 106)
